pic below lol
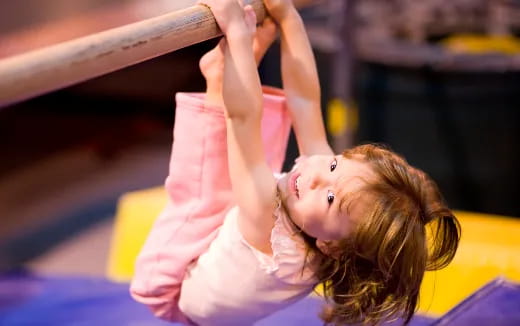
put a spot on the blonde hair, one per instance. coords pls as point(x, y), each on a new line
point(375, 274)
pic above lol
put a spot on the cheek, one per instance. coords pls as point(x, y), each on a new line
point(293, 209)
point(308, 210)
point(343, 229)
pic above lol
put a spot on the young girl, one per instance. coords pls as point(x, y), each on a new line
point(237, 242)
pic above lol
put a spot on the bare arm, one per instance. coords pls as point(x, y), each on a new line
point(254, 186)
point(300, 79)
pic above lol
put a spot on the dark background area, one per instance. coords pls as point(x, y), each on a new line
point(460, 128)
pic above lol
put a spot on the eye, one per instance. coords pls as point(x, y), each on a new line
point(333, 165)
point(330, 197)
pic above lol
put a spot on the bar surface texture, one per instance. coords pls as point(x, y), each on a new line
point(51, 68)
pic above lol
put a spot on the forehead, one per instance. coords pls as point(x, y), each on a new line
point(354, 174)
point(353, 170)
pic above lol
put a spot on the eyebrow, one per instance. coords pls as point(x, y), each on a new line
point(345, 197)
point(339, 192)
point(344, 202)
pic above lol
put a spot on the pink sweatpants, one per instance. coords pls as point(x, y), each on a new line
point(200, 195)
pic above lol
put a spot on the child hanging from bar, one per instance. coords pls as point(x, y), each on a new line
point(238, 242)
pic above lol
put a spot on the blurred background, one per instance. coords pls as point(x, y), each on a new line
point(437, 81)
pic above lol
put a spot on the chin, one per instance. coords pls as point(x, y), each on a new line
point(282, 184)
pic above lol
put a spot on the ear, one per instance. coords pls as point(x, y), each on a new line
point(327, 248)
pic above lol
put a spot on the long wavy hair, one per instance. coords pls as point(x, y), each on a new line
point(406, 229)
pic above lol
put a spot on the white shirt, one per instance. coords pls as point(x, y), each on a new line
point(235, 284)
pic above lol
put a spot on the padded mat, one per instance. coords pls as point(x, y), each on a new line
point(27, 299)
point(497, 304)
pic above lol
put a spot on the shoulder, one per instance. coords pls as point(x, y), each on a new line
point(287, 258)
point(256, 226)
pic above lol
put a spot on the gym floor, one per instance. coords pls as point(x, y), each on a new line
point(84, 255)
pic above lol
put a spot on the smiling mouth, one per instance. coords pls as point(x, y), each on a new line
point(295, 180)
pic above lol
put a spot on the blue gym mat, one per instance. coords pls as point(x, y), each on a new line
point(27, 299)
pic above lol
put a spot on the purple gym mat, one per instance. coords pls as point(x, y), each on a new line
point(495, 304)
point(26, 299)
point(31, 300)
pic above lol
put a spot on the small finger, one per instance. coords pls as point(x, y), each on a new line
point(250, 17)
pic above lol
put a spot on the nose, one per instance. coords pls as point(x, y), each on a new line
point(318, 180)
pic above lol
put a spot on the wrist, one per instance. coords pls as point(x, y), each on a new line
point(281, 15)
point(291, 16)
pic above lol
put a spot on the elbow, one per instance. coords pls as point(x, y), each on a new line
point(163, 306)
point(243, 112)
point(245, 117)
point(243, 105)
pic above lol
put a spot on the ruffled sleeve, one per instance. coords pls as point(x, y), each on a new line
point(289, 261)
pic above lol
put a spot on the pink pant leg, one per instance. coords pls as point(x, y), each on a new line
point(276, 125)
point(200, 194)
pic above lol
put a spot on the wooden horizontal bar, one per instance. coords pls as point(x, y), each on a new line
point(40, 71)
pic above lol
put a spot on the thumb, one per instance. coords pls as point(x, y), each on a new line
point(250, 18)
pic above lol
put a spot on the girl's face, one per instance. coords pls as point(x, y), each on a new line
point(321, 194)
